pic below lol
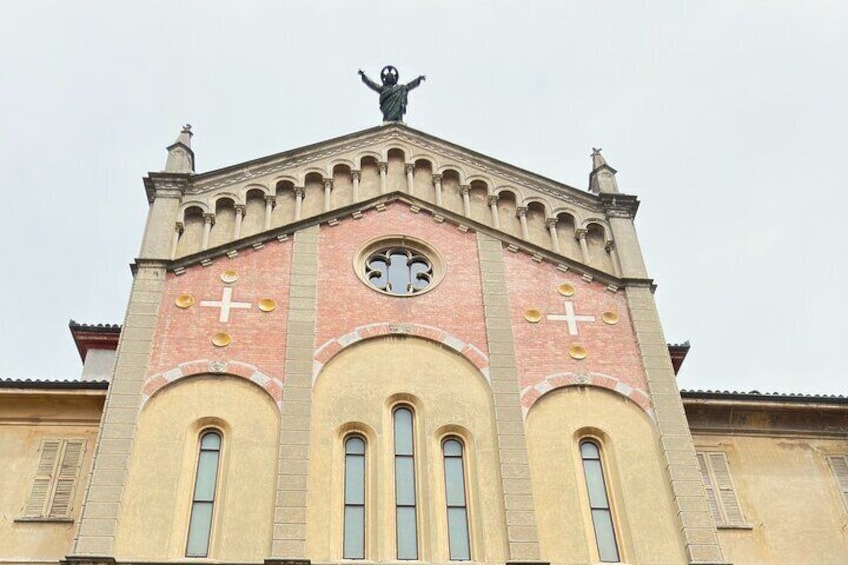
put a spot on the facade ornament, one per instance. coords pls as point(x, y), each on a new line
point(383, 167)
point(239, 209)
point(437, 177)
point(355, 174)
point(409, 168)
point(521, 211)
point(493, 199)
point(209, 218)
point(602, 177)
point(393, 96)
point(328, 183)
point(179, 228)
point(580, 233)
point(299, 191)
point(271, 199)
point(464, 189)
point(551, 222)
point(180, 156)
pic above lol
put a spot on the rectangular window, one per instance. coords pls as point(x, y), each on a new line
point(354, 503)
point(56, 479)
point(599, 506)
point(839, 466)
point(721, 496)
point(405, 511)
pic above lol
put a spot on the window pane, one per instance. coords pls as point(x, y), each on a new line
point(355, 445)
point(354, 532)
point(198, 529)
point(355, 479)
point(595, 484)
point(605, 536)
point(458, 534)
point(211, 441)
point(407, 534)
point(403, 432)
point(207, 469)
point(454, 482)
point(398, 273)
point(453, 448)
point(404, 481)
point(589, 450)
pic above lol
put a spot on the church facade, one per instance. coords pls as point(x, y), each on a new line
point(386, 347)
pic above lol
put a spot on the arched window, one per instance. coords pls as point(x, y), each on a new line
point(593, 470)
point(405, 507)
point(458, 541)
point(200, 524)
point(354, 498)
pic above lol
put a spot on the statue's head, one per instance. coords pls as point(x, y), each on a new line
point(389, 75)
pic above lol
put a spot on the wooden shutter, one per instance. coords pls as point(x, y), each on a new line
point(709, 488)
point(66, 479)
point(839, 466)
point(43, 482)
point(721, 496)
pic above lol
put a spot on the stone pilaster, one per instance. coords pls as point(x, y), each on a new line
point(522, 534)
point(289, 541)
point(101, 507)
point(696, 521)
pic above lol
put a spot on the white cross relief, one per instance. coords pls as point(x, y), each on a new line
point(570, 317)
point(226, 304)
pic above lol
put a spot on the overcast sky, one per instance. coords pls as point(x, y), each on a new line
point(727, 118)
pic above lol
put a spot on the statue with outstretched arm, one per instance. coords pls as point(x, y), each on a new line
point(393, 96)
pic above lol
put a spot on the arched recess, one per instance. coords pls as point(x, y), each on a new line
point(369, 183)
point(225, 221)
point(192, 236)
point(396, 174)
point(536, 226)
point(567, 236)
point(284, 205)
point(154, 513)
point(342, 192)
point(507, 213)
point(357, 388)
point(254, 212)
point(313, 195)
point(644, 513)
point(423, 180)
point(596, 240)
point(478, 194)
point(451, 195)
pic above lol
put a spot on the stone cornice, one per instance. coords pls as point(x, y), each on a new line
point(618, 205)
point(166, 185)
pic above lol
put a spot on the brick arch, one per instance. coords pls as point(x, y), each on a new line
point(272, 385)
point(530, 394)
point(334, 346)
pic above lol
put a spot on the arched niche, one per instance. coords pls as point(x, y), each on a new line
point(192, 236)
point(254, 212)
point(507, 213)
point(225, 221)
point(284, 205)
point(157, 497)
point(478, 195)
point(536, 226)
point(567, 236)
point(313, 195)
point(342, 192)
point(644, 513)
point(357, 390)
point(423, 180)
point(396, 173)
point(451, 195)
point(596, 241)
point(369, 183)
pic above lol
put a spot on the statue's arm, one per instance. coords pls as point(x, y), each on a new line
point(369, 83)
point(415, 83)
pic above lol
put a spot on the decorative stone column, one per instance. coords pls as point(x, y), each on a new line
point(437, 184)
point(410, 177)
point(328, 187)
point(465, 190)
point(270, 201)
point(239, 217)
point(384, 168)
point(493, 206)
point(355, 176)
point(552, 222)
point(208, 222)
point(521, 212)
point(580, 234)
point(179, 228)
point(298, 201)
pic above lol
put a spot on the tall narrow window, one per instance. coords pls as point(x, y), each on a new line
point(460, 548)
point(200, 525)
point(405, 512)
point(354, 496)
point(56, 479)
point(839, 466)
point(599, 502)
point(715, 474)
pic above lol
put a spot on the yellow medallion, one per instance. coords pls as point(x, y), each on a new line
point(566, 289)
point(610, 318)
point(229, 276)
point(221, 339)
point(578, 352)
point(184, 301)
point(533, 316)
point(267, 304)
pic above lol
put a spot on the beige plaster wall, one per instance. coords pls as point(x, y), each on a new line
point(789, 499)
point(356, 391)
point(643, 511)
point(157, 498)
point(24, 421)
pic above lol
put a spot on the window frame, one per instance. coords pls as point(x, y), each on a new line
point(723, 520)
point(463, 461)
point(346, 504)
point(51, 493)
point(416, 502)
point(587, 498)
point(411, 245)
point(215, 491)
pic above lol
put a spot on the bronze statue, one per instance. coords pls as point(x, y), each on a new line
point(392, 94)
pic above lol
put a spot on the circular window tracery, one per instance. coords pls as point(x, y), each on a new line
point(399, 266)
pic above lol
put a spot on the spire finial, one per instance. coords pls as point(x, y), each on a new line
point(602, 177)
point(180, 155)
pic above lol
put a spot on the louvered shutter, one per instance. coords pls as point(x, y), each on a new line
point(66, 479)
point(43, 482)
point(709, 489)
point(839, 466)
point(726, 494)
